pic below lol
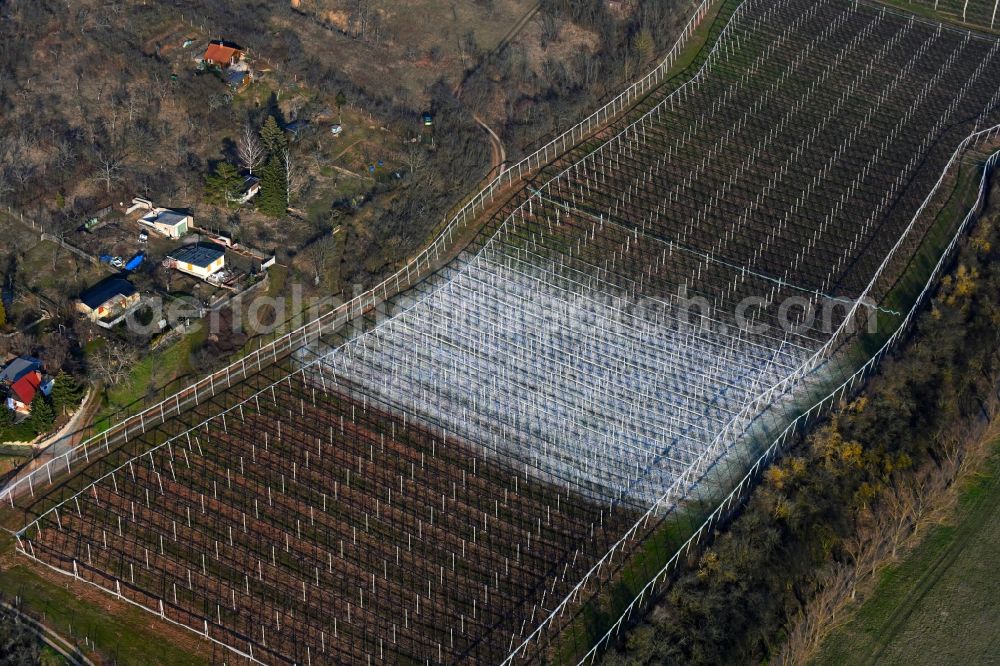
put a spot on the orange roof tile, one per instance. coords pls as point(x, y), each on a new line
point(220, 54)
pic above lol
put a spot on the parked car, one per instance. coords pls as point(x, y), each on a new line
point(337, 130)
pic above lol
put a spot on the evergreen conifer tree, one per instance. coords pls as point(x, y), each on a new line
point(341, 101)
point(42, 415)
point(273, 188)
point(223, 187)
point(6, 419)
point(67, 392)
point(272, 136)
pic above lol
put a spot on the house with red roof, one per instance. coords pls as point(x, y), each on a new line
point(23, 391)
point(230, 59)
point(22, 379)
point(222, 54)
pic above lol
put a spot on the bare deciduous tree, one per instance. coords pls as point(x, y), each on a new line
point(361, 13)
point(322, 252)
point(5, 187)
point(249, 148)
point(416, 157)
point(292, 180)
point(109, 163)
point(820, 615)
point(64, 155)
point(550, 29)
point(22, 172)
point(112, 363)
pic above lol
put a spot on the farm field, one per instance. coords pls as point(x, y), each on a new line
point(625, 226)
point(433, 512)
point(940, 604)
point(979, 14)
point(90, 618)
point(451, 479)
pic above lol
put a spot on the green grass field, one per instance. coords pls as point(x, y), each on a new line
point(121, 632)
point(940, 605)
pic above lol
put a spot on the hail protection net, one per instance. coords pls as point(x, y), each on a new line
point(430, 487)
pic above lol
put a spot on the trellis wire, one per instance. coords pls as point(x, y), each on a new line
point(395, 283)
point(524, 228)
point(800, 422)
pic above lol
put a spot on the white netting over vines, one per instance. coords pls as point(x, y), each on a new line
point(782, 174)
point(432, 488)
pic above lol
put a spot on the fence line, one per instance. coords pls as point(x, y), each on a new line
point(70, 248)
point(413, 271)
point(746, 482)
point(361, 303)
point(52, 238)
point(24, 220)
point(742, 420)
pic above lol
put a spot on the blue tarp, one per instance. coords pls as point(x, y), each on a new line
point(134, 262)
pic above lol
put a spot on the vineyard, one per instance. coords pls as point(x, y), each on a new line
point(302, 528)
point(452, 478)
point(978, 13)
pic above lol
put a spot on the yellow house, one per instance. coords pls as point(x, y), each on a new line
point(108, 299)
point(200, 260)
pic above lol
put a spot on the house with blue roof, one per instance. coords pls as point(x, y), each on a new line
point(108, 300)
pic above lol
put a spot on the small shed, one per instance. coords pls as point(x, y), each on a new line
point(250, 189)
point(17, 368)
point(23, 391)
point(297, 127)
point(167, 222)
point(22, 378)
point(238, 79)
